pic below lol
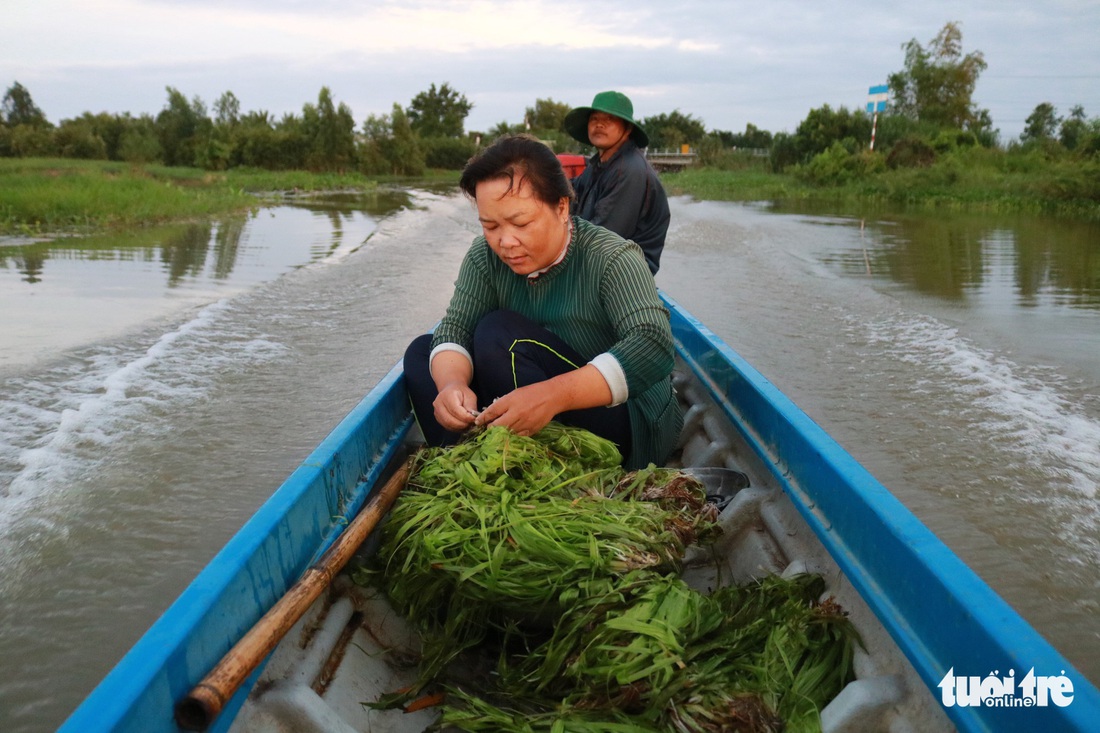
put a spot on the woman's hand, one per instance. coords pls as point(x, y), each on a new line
point(524, 411)
point(456, 404)
point(528, 409)
point(455, 407)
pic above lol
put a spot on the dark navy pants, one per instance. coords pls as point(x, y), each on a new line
point(509, 351)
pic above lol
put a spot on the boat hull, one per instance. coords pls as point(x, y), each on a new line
point(810, 506)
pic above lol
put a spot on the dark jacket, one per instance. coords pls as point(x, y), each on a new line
point(625, 196)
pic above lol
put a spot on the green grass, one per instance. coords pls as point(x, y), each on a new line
point(45, 195)
point(52, 195)
point(282, 183)
point(257, 180)
point(736, 185)
point(966, 180)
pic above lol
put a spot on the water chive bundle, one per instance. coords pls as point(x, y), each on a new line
point(776, 659)
point(502, 529)
point(759, 658)
point(546, 547)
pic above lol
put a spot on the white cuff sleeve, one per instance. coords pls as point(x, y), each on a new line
point(446, 346)
point(612, 372)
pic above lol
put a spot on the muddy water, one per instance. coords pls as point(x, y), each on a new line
point(158, 386)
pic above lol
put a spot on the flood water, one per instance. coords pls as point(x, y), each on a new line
point(157, 386)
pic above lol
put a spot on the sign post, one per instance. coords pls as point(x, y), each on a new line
point(877, 97)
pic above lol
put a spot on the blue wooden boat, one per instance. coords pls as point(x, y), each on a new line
point(934, 632)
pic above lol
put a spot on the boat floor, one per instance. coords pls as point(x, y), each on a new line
point(351, 647)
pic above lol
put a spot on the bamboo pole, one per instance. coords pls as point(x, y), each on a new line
point(205, 701)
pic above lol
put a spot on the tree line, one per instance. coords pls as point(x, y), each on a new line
point(324, 137)
point(931, 112)
point(428, 133)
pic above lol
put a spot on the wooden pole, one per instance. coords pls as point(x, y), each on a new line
point(203, 704)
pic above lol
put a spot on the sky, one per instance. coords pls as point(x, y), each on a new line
point(726, 63)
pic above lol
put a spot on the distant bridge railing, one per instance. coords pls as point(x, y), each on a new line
point(670, 159)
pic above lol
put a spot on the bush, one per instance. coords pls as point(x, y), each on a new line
point(784, 152)
point(737, 160)
point(140, 144)
point(451, 153)
point(713, 154)
point(31, 141)
point(949, 140)
point(1073, 182)
point(1048, 149)
point(1090, 146)
point(78, 141)
point(391, 156)
point(893, 128)
point(837, 166)
point(1025, 159)
point(910, 152)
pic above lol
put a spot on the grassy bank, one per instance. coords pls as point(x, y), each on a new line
point(712, 184)
point(275, 183)
point(969, 180)
point(50, 195)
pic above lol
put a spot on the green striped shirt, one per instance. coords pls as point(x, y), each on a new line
point(600, 298)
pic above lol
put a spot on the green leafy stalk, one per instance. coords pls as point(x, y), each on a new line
point(547, 549)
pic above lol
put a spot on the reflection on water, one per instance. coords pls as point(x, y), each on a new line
point(181, 249)
point(185, 255)
point(185, 249)
point(971, 259)
point(1022, 283)
point(74, 290)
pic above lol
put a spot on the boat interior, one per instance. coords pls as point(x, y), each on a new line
point(351, 647)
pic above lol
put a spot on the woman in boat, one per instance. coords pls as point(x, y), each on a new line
point(552, 318)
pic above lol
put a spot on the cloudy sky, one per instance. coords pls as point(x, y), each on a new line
point(765, 62)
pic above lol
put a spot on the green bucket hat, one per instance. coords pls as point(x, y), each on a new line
point(613, 103)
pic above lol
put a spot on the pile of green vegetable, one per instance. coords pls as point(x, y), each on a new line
point(543, 561)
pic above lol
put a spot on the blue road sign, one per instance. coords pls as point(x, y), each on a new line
point(877, 96)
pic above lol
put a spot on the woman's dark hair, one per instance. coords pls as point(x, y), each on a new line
point(517, 157)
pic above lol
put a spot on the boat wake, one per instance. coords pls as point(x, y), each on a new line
point(1026, 417)
point(58, 428)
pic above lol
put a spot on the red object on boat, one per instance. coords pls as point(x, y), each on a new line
point(573, 164)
